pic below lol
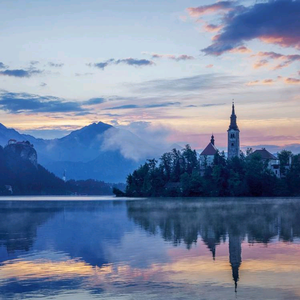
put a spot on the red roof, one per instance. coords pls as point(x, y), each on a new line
point(209, 150)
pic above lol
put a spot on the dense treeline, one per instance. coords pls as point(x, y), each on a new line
point(91, 187)
point(19, 176)
point(178, 173)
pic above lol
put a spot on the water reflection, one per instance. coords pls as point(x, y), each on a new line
point(150, 249)
point(213, 221)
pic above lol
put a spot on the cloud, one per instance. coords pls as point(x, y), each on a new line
point(100, 65)
point(212, 27)
point(211, 9)
point(29, 103)
point(135, 62)
point(171, 56)
point(286, 80)
point(128, 144)
point(261, 63)
point(165, 104)
point(128, 106)
point(275, 22)
point(83, 74)
point(261, 82)
point(209, 66)
point(286, 59)
point(2, 65)
point(34, 62)
point(21, 73)
point(43, 84)
point(206, 105)
point(187, 84)
point(94, 101)
point(55, 65)
point(155, 134)
point(241, 49)
point(211, 104)
point(154, 105)
point(128, 61)
point(292, 80)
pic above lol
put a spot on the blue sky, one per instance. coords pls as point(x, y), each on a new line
point(153, 66)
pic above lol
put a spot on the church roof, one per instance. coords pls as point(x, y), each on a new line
point(233, 124)
point(209, 150)
point(264, 154)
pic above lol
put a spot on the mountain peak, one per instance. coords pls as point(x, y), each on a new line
point(88, 133)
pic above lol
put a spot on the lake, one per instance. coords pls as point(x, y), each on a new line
point(106, 248)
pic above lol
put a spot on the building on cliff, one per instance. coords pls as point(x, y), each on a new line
point(21, 150)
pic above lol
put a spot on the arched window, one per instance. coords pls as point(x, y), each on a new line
point(232, 144)
point(232, 135)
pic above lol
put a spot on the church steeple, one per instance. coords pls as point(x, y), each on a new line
point(233, 136)
point(233, 124)
point(212, 140)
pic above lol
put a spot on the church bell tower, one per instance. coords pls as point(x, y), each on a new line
point(233, 136)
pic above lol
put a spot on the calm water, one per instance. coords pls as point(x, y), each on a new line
point(101, 248)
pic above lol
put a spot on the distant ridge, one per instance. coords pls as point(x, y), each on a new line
point(98, 151)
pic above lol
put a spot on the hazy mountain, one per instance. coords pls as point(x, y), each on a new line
point(99, 151)
point(109, 166)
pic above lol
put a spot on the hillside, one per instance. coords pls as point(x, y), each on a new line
point(98, 151)
point(22, 175)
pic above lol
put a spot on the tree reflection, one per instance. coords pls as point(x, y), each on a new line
point(185, 221)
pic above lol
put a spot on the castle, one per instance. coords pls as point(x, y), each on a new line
point(233, 148)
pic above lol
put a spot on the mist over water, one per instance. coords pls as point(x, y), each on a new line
point(150, 248)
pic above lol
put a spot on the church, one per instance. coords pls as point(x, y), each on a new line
point(233, 148)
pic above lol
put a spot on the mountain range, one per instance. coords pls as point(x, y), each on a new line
point(98, 151)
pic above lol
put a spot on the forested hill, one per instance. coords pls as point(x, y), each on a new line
point(22, 175)
point(178, 174)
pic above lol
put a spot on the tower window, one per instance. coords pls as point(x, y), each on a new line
point(232, 144)
point(232, 135)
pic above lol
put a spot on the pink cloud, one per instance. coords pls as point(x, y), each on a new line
point(286, 59)
point(210, 9)
point(292, 81)
point(261, 82)
point(275, 22)
point(281, 40)
point(209, 66)
point(212, 28)
point(261, 63)
point(241, 49)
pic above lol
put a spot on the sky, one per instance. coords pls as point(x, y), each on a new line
point(165, 70)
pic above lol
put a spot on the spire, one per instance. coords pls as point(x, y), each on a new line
point(235, 257)
point(212, 140)
point(233, 124)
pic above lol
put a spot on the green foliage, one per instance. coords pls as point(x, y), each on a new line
point(178, 174)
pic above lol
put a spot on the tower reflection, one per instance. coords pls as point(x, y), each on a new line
point(218, 222)
point(235, 257)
